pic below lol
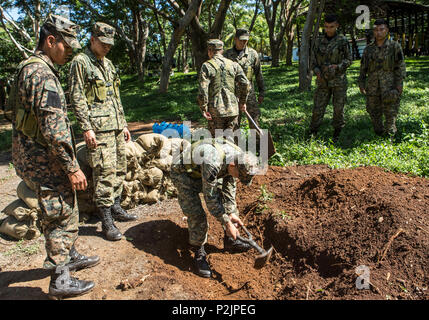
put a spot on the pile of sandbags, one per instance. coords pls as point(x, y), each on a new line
point(19, 219)
point(149, 160)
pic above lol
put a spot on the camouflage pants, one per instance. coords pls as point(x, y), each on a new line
point(109, 167)
point(224, 123)
point(188, 194)
point(59, 221)
point(376, 109)
point(322, 95)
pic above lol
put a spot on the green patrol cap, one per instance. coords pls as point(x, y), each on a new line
point(215, 44)
point(66, 28)
point(104, 32)
point(242, 34)
point(247, 165)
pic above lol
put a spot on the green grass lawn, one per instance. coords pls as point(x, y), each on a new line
point(286, 112)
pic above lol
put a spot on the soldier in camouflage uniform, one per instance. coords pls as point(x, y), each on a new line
point(249, 61)
point(330, 59)
point(94, 96)
point(219, 80)
point(382, 73)
point(198, 169)
point(43, 152)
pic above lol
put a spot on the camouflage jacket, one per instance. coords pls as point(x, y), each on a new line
point(329, 52)
point(41, 94)
point(94, 93)
point(212, 165)
point(248, 60)
point(381, 63)
point(219, 80)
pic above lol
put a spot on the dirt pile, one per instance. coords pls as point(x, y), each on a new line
point(326, 223)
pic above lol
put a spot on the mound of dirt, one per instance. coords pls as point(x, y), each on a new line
point(326, 223)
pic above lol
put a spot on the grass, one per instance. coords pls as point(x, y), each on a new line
point(289, 118)
point(21, 248)
point(286, 112)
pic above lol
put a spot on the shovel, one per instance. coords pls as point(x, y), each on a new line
point(263, 257)
point(253, 125)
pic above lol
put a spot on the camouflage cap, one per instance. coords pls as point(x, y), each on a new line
point(104, 32)
point(248, 167)
point(66, 28)
point(242, 34)
point(215, 44)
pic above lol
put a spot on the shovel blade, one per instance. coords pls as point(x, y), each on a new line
point(262, 259)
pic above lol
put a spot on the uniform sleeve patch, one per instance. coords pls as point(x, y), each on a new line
point(54, 99)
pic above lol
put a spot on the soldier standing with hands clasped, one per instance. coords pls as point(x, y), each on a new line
point(382, 73)
point(94, 96)
point(44, 155)
point(330, 59)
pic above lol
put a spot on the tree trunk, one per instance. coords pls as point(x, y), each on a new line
point(289, 49)
point(304, 57)
point(179, 30)
point(275, 53)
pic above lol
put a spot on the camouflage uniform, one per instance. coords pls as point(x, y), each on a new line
point(219, 80)
point(329, 52)
point(43, 150)
point(94, 96)
point(382, 70)
point(249, 61)
point(190, 180)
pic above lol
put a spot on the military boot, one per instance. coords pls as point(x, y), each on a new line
point(119, 214)
point(201, 264)
point(79, 261)
point(235, 246)
point(63, 286)
point(109, 229)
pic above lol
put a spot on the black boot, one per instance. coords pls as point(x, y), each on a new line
point(119, 214)
point(64, 286)
point(201, 264)
point(336, 135)
point(79, 261)
point(235, 246)
point(109, 229)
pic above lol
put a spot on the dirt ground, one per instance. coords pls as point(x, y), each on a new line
point(322, 223)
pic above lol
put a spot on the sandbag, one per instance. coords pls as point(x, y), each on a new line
point(152, 142)
point(126, 202)
point(140, 151)
point(162, 163)
point(152, 196)
point(150, 177)
point(131, 150)
point(168, 187)
point(20, 211)
point(178, 145)
point(27, 195)
point(20, 229)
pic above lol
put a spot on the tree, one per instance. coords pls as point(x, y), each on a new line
point(24, 33)
point(129, 20)
point(280, 22)
point(315, 10)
